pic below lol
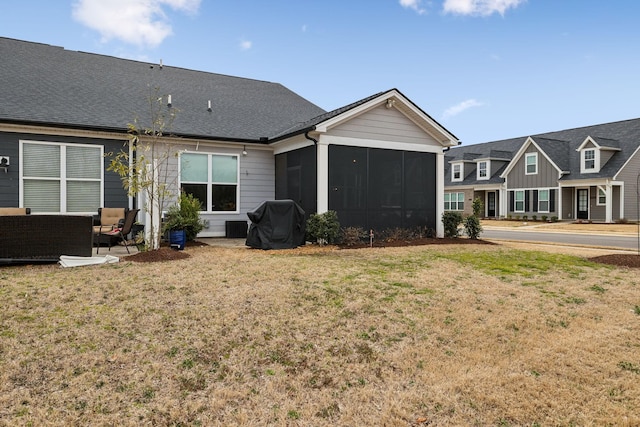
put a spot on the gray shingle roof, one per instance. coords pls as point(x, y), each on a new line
point(50, 85)
point(561, 147)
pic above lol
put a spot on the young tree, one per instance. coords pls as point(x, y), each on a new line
point(144, 164)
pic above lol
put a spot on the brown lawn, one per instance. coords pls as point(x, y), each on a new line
point(425, 335)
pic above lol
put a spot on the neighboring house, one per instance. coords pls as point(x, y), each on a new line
point(378, 162)
point(587, 173)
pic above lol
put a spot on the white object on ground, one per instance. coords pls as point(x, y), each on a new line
point(79, 261)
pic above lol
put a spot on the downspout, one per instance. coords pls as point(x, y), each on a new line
point(306, 135)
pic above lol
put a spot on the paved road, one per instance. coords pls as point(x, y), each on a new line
point(600, 240)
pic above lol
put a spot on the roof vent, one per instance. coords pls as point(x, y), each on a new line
point(169, 101)
point(209, 105)
point(161, 63)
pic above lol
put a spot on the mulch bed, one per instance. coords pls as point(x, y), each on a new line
point(620, 260)
point(165, 253)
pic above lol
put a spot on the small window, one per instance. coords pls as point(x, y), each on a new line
point(589, 159)
point(456, 172)
point(602, 197)
point(531, 160)
point(543, 201)
point(483, 170)
point(519, 199)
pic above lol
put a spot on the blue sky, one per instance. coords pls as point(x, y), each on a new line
point(485, 69)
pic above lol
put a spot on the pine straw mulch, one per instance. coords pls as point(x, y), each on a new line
point(165, 253)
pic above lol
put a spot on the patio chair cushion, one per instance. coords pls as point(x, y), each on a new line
point(109, 218)
point(14, 211)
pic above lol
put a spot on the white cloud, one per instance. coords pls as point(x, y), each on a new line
point(246, 44)
point(459, 108)
point(479, 7)
point(139, 22)
point(413, 4)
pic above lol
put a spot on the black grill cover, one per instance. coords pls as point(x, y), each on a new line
point(276, 224)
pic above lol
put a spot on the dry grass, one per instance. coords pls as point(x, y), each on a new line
point(442, 335)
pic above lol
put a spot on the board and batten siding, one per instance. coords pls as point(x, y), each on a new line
point(383, 124)
point(547, 176)
point(629, 174)
point(256, 173)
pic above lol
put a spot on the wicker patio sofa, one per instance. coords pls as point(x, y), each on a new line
point(43, 238)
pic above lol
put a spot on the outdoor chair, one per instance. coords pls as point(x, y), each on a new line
point(119, 233)
point(108, 219)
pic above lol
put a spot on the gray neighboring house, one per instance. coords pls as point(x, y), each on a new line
point(378, 162)
point(587, 173)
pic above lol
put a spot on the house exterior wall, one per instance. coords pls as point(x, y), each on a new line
point(256, 180)
point(547, 176)
point(469, 194)
point(568, 203)
point(383, 124)
point(629, 174)
point(605, 155)
point(596, 213)
point(114, 193)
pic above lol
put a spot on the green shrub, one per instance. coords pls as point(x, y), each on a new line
point(525, 217)
point(472, 227)
point(544, 218)
point(477, 206)
point(534, 217)
point(323, 228)
point(554, 219)
point(185, 215)
point(451, 221)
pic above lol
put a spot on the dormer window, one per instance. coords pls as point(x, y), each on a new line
point(483, 170)
point(589, 162)
point(531, 163)
point(456, 172)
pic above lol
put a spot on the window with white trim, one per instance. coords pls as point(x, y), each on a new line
point(456, 172)
point(453, 201)
point(61, 178)
point(589, 159)
point(602, 197)
point(212, 179)
point(519, 201)
point(543, 201)
point(531, 163)
point(483, 170)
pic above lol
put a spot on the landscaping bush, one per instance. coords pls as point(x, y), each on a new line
point(554, 219)
point(351, 236)
point(323, 228)
point(451, 221)
point(544, 218)
point(472, 226)
point(185, 215)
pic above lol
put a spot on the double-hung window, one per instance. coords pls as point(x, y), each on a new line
point(519, 201)
point(531, 163)
point(589, 160)
point(212, 179)
point(456, 172)
point(61, 178)
point(483, 170)
point(454, 201)
point(543, 201)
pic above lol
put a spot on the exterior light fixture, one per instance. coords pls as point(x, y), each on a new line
point(244, 150)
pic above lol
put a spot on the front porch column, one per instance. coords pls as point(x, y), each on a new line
point(608, 193)
point(439, 194)
point(323, 176)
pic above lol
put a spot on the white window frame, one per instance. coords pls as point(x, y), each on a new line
point(526, 163)
point(210, 181)
point(62, 179)
point(595, 160)
point(516, 201)
point(541, 200)
point(487, 173)
point(599, 195)
point(460, 171)
point(450, 202)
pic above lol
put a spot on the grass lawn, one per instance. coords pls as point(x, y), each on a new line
point(433, 335)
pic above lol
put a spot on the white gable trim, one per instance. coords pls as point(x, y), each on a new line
point(394, 99)
point(631, 157)
point(520, 153)
point(375, 143)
